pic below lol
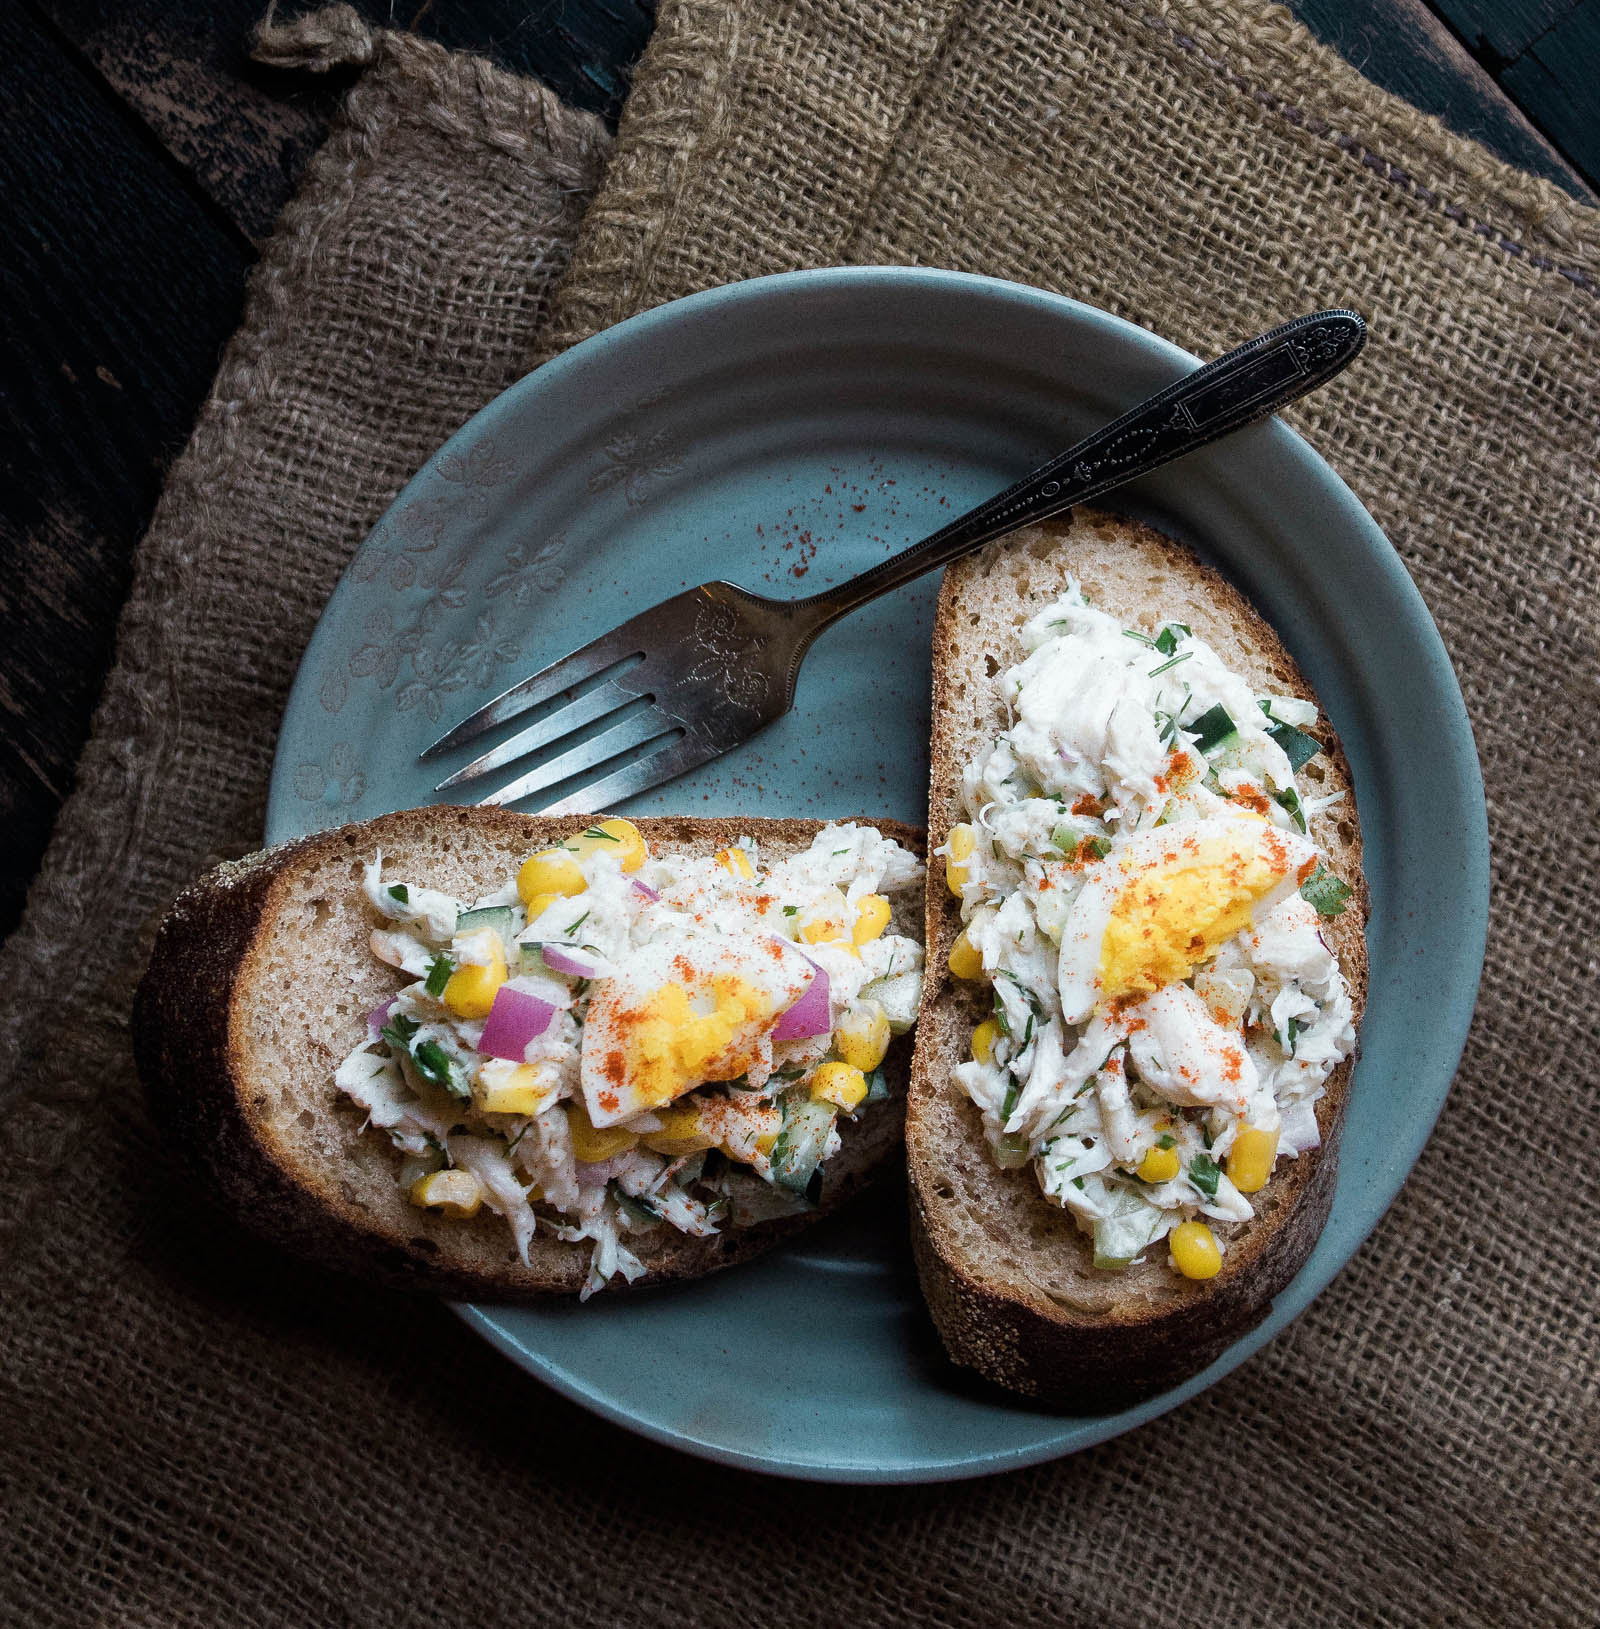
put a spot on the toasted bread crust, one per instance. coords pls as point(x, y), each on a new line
point(1007, 1276)
point(196, 1022)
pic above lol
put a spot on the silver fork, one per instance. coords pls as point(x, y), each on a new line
point(704, 670)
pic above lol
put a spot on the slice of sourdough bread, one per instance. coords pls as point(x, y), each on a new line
point(1007, 1275)
point(259, 986)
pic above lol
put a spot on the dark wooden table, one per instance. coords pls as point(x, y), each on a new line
point(144, 159)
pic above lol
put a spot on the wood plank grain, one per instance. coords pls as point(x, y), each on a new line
point(245, 131)
point(127, 287)
point(1406, 48)
point(1505, 28)
point(1557, 74)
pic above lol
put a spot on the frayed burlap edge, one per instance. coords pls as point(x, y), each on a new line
point(677, 117)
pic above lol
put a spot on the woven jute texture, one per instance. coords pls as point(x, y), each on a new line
point(196, 1433)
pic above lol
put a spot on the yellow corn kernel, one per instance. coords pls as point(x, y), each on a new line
point(960, 843)
point(680, 1133)
point(1158, 1165)
point(862, 1037)
point(983, 1039)
point(469, 992)
point(591, 1144)
point(549, 872)
point(505, 1087)
point(840, 1084)
point(1194, 1250)
point(965, 962)
point(456, 1193)
point(737, 861)
point(872, 917)
point(614, 836)
point(1251, 1158)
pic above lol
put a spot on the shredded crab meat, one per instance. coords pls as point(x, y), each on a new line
point(522, 1127)
point(1141, 749)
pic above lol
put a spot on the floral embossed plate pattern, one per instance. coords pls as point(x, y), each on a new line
point(785, 434)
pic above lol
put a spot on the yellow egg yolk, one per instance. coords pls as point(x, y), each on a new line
point(1172, 916)
point(669, 1046)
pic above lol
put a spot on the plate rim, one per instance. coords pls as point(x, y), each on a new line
point(1084, 1431)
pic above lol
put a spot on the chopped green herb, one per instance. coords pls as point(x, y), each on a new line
point(1144, 639)
point(596, 835)
point(1326, 892)
point(399, 1031)
point(791, 910)
point(1077, 1183)
point(434, 1065)
point(838, 851)
point(1203, 1173)
point(1173, 662)
point(1001, 1022)
point(439, 971)
point(1213, 728)
point(1166, 1140)
point(1206, 1137)
point(400, 892)
point(1167, 640)
point(573, 927)
point(1100, 846)
point(1289, 799)
point(1298, 747)
point(1296, 1027)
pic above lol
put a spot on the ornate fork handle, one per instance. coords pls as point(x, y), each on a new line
point(1247, 384)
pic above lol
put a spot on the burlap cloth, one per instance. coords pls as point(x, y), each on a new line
point(194, 1432)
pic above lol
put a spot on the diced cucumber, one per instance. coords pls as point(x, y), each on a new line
point(802, 1142)
point(877, 1088)
point(692, 1168)
point(1119, 1237)
point(898, 995)
point(1213, 729)
point(751, 1200)
point(1298, 747)
point(639, 1211)
point(499, 917)
point(1012, 1150)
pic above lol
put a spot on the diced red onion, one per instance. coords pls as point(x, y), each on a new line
point(515, 1019)
point(379, 1016)
point(811, 1015)
point(561, 960)
point(649, 893)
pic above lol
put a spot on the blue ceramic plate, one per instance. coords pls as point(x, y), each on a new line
point(786, 433)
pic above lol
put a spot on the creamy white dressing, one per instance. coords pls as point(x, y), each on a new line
point(1116, 748)
point(425, 1083)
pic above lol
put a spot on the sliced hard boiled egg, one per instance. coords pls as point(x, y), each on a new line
point(677, 1015)
point(1165, 901)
